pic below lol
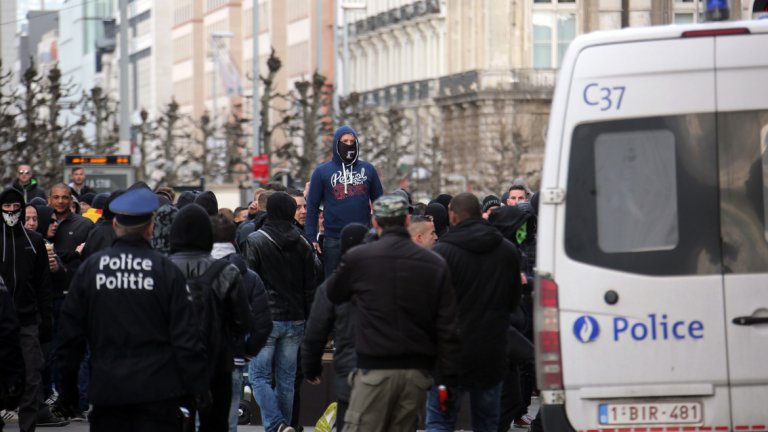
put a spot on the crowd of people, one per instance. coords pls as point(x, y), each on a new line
point(140, 310)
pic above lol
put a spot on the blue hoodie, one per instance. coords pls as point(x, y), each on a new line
point(344, 190)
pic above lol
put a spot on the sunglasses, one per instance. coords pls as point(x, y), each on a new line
point(24, 171)
point(54, 221)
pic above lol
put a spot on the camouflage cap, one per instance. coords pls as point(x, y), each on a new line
point(390, 206)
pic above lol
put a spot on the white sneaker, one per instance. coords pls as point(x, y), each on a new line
point(524, 421)
point(9, 416)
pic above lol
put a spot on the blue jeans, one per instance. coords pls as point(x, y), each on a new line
point(331, 255)
point(484, 404)
point(276, 404)
point(237, 391)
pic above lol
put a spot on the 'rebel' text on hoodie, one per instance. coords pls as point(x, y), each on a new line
point(124, 272)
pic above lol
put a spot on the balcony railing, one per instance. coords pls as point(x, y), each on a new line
point(524, 81)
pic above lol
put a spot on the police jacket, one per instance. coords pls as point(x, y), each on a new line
point(485, 271)
point(286, 263)
point(131, 306)
point(232, 305)
point(404, 309)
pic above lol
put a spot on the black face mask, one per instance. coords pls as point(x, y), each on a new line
point(348, 153)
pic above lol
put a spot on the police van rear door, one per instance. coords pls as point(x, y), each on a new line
point(742, 102)
point(641, 227)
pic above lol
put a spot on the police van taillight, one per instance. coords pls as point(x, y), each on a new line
point(548, 357)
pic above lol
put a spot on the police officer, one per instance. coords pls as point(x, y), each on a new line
point(131, 306)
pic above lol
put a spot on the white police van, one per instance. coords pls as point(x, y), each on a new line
point(652, 293)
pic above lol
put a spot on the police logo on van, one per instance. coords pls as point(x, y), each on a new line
point(586, 329)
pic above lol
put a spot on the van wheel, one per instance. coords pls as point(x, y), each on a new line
point(243, 413)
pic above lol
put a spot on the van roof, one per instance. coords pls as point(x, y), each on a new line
point(672, 31)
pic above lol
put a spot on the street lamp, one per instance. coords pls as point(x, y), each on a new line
point(215, 38)
point(345, 26)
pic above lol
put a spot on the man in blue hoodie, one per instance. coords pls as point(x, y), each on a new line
point(345, 186)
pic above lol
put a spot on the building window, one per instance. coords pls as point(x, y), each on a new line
point(297, 9)
point(554, 27)
point(688, 11)
point(182, 11)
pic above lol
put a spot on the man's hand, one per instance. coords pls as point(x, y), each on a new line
point(317, 247)
point(314, 381)
point(79, 248)
point(53, 264)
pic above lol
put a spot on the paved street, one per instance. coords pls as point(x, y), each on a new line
point(83, 427)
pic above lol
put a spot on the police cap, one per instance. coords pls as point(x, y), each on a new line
point(134, 207)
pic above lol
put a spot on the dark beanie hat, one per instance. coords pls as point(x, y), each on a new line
point(186, 197)
point(100, 200)
point(88, 198)
point(444, 200)
point(191, 230)
point(490, 201)
point(439, 217)
point(208, 201)
point(352, 235)
point(37, 201)
point(281, 207)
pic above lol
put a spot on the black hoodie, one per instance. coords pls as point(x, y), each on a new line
point(485, 271)
point(24, 268)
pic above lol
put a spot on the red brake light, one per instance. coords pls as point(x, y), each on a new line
point(548, 293)
point(716, 32)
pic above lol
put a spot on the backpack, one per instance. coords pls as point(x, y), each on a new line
point(206, 305)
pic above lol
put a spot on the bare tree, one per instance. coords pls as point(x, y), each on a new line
point(310, 123)
point(268, 96)
point(237, 166)
point(394, 146)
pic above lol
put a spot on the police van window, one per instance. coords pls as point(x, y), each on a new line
point(635, 172)
point(743, 141)
point(642, 195)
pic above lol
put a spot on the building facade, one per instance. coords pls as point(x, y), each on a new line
point(476, 78)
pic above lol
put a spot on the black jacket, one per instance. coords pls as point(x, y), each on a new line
point(86, 189)
point(24, 267)
point(261, 319)
point(99, 238)
point(286, 264)
point(71, 232)
point(233, 307)
point(250, 226)
point(11, 361)
point(486, 277)
point(144, 341)
point(404, 309)
point(30, 190)
point(327, 319)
